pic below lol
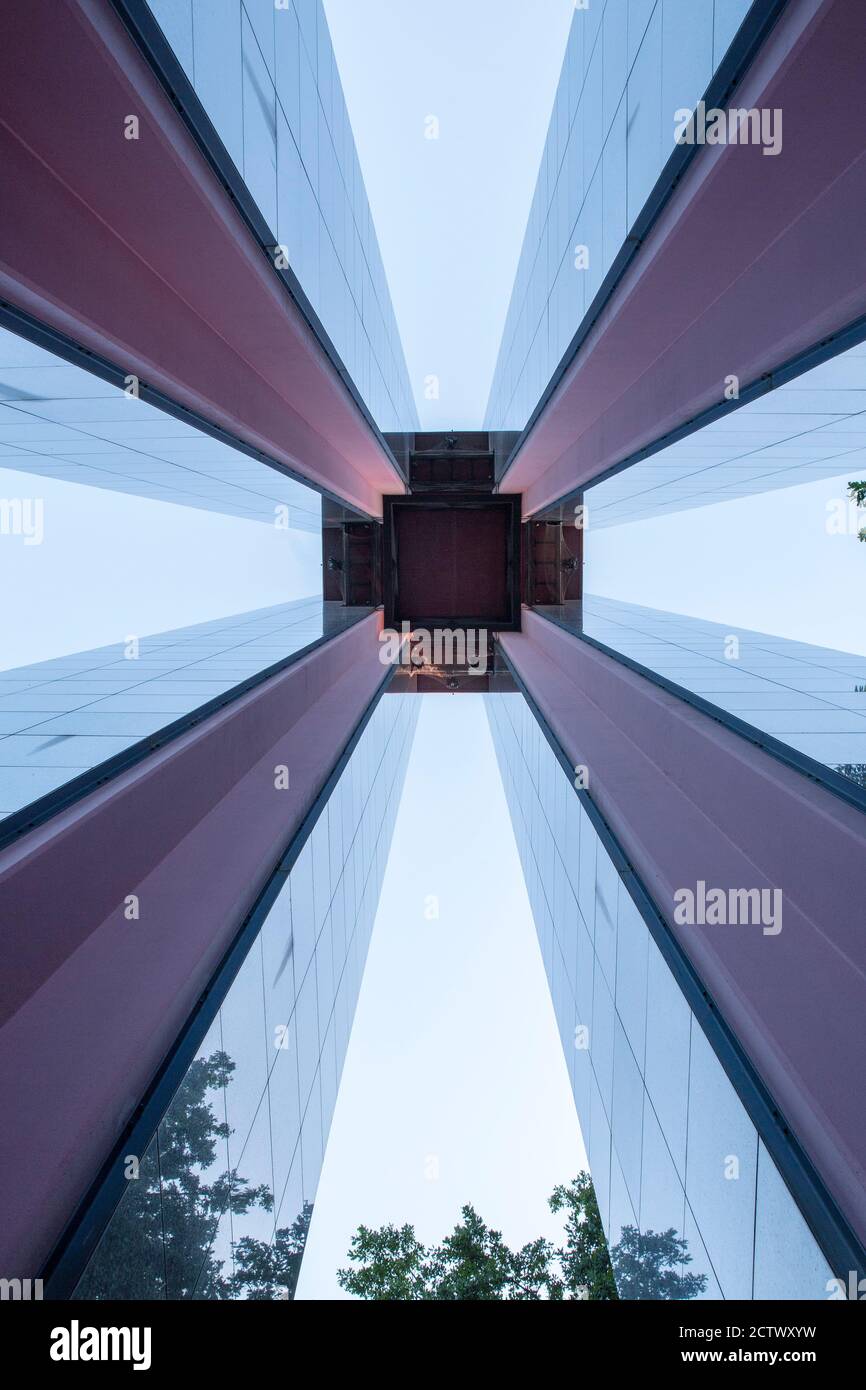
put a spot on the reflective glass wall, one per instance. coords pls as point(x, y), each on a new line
point(71, 712)
point(808, 695)
point(60, 421)
point(692, 1204)
point(810, 429)
point(267, 77)
point(811, 698)
point(629, 66)
point(61, 718)
point(219, 1204)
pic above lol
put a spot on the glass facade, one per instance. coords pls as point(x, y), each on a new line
point(811, 428)
point(219, 1204)
point(629, 66)
point(812, 698)
point(268, 79)
point(60, 718)
point(60, 421)
point(692, 1204)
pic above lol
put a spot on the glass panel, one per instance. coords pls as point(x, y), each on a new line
point(788, 1264)
point(130, 1260)
point(268, 80)
point(260, 136)
point(218, 75)
point(672, 1153)
point(224, 1199)
point(720, 1169)
point(627, 69)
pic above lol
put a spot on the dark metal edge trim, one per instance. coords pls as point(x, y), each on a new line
point(18, 321)
point(831, 781)
point(144, 30)
point(831, 1229)
point(747, 41)
point(37, 812)
point(68, 1260)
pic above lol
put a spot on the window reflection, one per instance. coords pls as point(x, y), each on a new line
point(652, 1264)
point(268, 80)
point(627, 68)
point(221, 1202)
point(658, 1115)
point(811, 698)
point(161, 1241)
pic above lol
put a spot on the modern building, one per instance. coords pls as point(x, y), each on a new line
point(63, 717)
point(808, 429)
point(806, 699)
point(672, 1148)
point(225, 1188)
point(247, 363)
point(628, 69)
point(195, 832)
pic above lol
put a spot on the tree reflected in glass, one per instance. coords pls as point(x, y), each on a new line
point(160, 1243)
point(648, 1265)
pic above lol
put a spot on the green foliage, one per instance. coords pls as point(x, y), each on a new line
point(647, 1266)
point(159, 1243)
point(474, 1263)
point(584, 1258)
point(270, 1271)
point(391, 1264)
point(857, 494)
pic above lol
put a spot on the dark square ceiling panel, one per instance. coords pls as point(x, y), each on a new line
point(452, 559)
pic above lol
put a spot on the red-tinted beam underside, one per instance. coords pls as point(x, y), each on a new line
point(134, 250)
point(754, 261)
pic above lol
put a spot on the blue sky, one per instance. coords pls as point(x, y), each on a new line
point(455, 1087)
point(455, 1066)
point(766, 562)
point(450, 213)
point(112, 564)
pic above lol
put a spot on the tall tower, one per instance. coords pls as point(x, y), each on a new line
point(195, 826)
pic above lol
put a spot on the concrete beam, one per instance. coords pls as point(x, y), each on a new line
point(134, 250)
point(91, 1002)
point(753, 261)
point(689, 801)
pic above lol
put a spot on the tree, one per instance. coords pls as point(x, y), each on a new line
point(270, 1271)
point(646, 1266)
point(390, 1265)
point(586, 1267)
point(160, 1241)
point(474, 1263)
point(857, 494)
